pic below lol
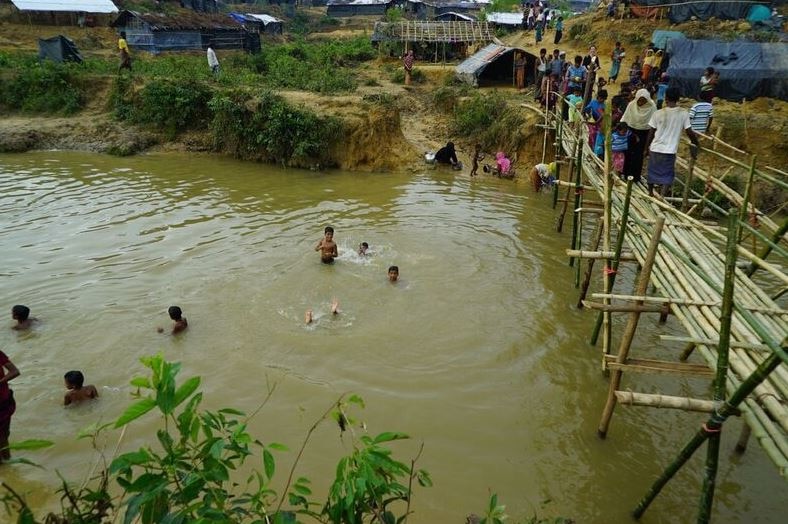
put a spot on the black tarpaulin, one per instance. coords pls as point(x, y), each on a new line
point(747, 69)
point(722, 10)
point(58, 48)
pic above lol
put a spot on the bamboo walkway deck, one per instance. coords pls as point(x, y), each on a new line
point(688, 275)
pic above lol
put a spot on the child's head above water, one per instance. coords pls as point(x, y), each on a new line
point(20, 313)
point(175, 312)
point(393, 273)
point(74, 379)
point(362, 248)
point(329, 231)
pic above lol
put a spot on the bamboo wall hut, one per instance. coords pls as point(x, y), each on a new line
point(259, 23)
point(429, 9)
point(345, 8)
point(64, 12)
point(155, 32)
point(434, 41)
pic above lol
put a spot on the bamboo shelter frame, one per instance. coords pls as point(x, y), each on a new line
point(741, 337)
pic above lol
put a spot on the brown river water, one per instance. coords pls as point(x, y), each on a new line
point(478, 352)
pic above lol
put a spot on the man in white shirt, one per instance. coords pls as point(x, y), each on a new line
point(701, 115)
point(663, 141)
point(213, 62)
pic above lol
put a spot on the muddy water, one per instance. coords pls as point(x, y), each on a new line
point(477, 352)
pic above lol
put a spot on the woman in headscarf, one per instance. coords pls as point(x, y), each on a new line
point(503, 165)
point(648, 63)
point(637, 116)
point(591, 60)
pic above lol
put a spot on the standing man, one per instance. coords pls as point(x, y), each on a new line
point(663, 141)
point(701, 115)
point(519, 70)
point(407, 62)
point(213, 62)
point(559, 30)
point(123, 49)
point(540, 69)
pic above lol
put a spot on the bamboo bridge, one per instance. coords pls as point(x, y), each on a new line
point(712, 275)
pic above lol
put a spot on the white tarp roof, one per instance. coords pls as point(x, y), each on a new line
point(505, 18)
point(87, 6)
point(265, 19)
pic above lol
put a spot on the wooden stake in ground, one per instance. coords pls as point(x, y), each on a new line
point(629, 332)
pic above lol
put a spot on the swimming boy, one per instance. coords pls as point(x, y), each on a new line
point(363, 248)
point(327, 246)
point(76, 391)
point(180, 321)
point(22, 316)
point(309, 317)
point(393, 273)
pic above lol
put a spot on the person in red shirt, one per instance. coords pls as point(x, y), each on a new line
point(8, 371)
point(407, 62)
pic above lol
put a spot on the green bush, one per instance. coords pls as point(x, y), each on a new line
point(417, 76)
point(45, 87)
point(445, 98)
point(274, 131)
point(489, 121)
point(187, 472)
point(171, 105)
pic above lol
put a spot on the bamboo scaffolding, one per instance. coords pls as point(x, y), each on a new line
point(628, 398)
point(688, 273)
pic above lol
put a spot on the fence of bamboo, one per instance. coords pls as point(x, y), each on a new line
point(732, 322)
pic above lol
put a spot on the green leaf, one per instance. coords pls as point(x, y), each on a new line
point(141, 382)
point(217, 448)
point(135, 411)
point(23, 460)
point(231, 411)
point(355, 399)
point(424, 478)
point(278, 447)
point(186, 389)
point(30, 444)
point(389, 436)
point(269, 464)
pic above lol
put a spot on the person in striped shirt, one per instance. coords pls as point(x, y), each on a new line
point(701, 115)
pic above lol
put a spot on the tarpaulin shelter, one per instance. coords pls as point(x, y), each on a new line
point(260, 23)
point(747, 69)
point(429, 9)
point(679, 12)
point(59, 49)
point(157, 32)
point(661, 37)
point(506, 20)
point(493, 63)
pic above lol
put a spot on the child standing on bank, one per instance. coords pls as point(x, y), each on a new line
point(76, 391)
point(327, 246)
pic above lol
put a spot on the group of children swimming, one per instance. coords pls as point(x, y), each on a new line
point(328, 252)
point(76, 390)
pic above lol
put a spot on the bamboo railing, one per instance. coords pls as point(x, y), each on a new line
point(731, 322)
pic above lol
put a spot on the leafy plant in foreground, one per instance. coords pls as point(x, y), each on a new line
point(191, 474)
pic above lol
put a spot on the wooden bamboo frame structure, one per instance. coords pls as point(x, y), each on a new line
point(740, 338)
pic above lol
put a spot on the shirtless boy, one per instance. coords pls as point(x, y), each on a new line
point(180, 321)
point(76, 391)
point(22, 316)
point(393, 273)
point(327, 247)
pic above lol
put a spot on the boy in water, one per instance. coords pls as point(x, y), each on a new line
point(327, 246)
point(309, 317)
point(363, 248)
point(76, 391)
point(477, 155)
point(393, 273)
point(22, 316)
point(180, 321)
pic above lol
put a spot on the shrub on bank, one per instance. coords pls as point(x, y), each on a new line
point(489, 121)
point(44, 87)
point(269, 129)
point(170, 105)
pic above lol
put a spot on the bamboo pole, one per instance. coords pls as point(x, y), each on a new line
point(597, 236)
point(743, 210)
point(609, 272)
point(611, 267)
point(713, 448)
point(578, 192)
point(579, 253)
point(778, 235)
point(558, 151)
point(713, 425)
point(629, 332)
point(744, 437)
point(652, 400)
point(688, 184)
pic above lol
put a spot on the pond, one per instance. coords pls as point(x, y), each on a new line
point(477, 352)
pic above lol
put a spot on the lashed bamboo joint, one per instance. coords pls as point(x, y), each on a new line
point(741, 336)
